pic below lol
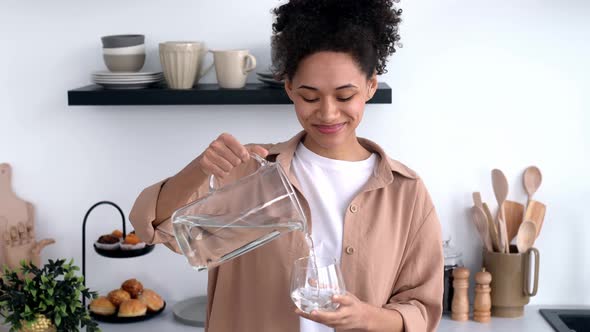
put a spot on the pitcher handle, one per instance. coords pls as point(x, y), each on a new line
point(527, 272)
point(259, 159)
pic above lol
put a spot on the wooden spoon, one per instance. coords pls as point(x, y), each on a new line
point(526, 236)
point(481, 223)
point(492, 229)
point(531, 180)
point(500, 185)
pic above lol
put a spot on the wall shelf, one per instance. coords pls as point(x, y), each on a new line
point(204, 94)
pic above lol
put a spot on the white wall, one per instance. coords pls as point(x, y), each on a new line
point(478, 85)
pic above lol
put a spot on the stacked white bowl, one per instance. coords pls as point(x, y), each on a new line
point(124, 53)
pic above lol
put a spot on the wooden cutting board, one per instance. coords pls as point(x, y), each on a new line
point(12, 209)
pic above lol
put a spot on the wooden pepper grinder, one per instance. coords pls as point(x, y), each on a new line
point(482, 305)
point(460, 304)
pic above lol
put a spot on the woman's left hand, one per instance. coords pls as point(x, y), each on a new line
point(352, 314)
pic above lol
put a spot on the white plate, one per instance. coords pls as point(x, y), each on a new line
point(128, 76)
point(125, 83)
point(111, 74)
point(107, 80)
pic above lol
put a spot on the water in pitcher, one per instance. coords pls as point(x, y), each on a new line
point(211, 245)
point(209, 240)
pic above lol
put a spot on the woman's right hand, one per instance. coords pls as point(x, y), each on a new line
point(225, 153)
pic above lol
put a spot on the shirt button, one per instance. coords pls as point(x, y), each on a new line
point(350, 250)
point(353, 208)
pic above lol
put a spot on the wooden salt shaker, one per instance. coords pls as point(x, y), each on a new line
point(482, 305)
point(460, 304)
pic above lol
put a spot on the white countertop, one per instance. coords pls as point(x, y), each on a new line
point(531, 321)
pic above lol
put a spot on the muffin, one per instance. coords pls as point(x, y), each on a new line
point(133, 286)
point(117, 233)
point(108, 242)
point(102, 306)
point(152, 300)
point(132, 241)
point(118, 296)
point(132, 308)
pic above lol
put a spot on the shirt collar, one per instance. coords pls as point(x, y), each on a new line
point(384, 173)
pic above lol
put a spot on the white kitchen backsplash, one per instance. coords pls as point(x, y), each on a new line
point(478, 85)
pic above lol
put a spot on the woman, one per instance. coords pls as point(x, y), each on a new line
point(369, 211)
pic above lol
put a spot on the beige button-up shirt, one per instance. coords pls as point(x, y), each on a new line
point(392, 254)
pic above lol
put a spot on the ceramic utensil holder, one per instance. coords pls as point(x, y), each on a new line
point(511, 275)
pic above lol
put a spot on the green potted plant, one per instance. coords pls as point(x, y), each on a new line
point(45, 299)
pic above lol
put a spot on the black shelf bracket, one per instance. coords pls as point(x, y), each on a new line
point(84, 236)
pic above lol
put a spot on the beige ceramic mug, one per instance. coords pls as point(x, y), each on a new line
point(182, 63)
point(232, 67)
point(511, 275)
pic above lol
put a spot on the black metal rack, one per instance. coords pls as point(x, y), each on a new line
point(109, 253)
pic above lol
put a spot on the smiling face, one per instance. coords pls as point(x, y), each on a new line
point(329, 92)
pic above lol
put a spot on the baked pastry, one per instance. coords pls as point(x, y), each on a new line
point(119, 296)
point(132, 308)
point(132, 239)
point(153, 301)
point(108, 241)
point(102, 306)
point(117, 233)
point(133, 286)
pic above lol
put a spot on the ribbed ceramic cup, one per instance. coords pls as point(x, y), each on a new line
point(201, 70)
point(511, 275)
point(180, 63)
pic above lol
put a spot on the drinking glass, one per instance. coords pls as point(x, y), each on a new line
point(314, 283)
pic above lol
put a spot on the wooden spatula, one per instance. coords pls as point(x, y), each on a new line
point(535, 212)
point(477, 199)
point(503, 235)
point(492, 228)
point(481, 223)
point(513, 213)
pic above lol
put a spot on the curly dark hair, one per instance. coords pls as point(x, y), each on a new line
point(365, 29)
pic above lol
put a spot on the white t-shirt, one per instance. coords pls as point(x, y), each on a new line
point(329, 186)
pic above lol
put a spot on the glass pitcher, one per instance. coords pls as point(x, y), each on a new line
point(238, 217)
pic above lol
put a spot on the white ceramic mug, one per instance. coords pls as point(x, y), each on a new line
point(182, 63)
point(232, 67)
